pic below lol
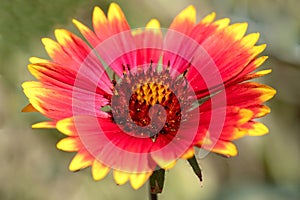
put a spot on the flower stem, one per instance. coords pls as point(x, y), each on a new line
point(157, 180)
point(156, 183)
point(153, 196)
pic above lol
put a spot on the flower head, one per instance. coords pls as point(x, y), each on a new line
point(135, 101)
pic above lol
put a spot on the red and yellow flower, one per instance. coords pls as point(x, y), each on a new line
point(161, 96)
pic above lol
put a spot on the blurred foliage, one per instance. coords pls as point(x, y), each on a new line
point(266, 168)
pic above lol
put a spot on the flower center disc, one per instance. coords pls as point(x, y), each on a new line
point(143, 105)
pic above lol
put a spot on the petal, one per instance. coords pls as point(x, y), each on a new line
point(99, 170)
point(250, 128)
point(79, 51)
point(222, 23)
point(204, 29)
point(255, 75)
point(189, 153)
point(57, 54)
point(256, 50)
point(53, 74)
point(37, 60)
point(100, 24)
point(243, 104)
point(168, 148)
point(75, 47)
point(255, 129)
point(225, 148)
point(234, 115)
point(237, 31)
point(250, 40)
point(81, 160)
point(242, 95)
point(213, 128)
point(109, 144)
point(148, 44)
point(124, 55)
point(58, 103)
point(259, 61)
point(253, 65)
point(228, 55)
point(255, 91)
point(124, 152)
point(47, 124)
point(70, 144)
point(233, 132)
point(121, 177)
point(169, 165)
point(66, 126)
point(73, 54)
point(153, 24)
point(259, 110)
point(185, 20)
point(72, 45)
point(231, 53)
point(29, 108)
point(166, 151)
point(137, 180)
point(116, 18)
point(87, 33)
point(208, 19)
point(177, 55)
point(64, 77)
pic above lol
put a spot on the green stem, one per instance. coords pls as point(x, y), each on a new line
point(157, 180)
point(156, 183)
point(153, 196)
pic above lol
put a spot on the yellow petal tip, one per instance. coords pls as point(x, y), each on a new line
point(47, 124)
point(33, 60)
point(99, 170)
point(66, 126)
point(120, 177)
point(189, 13)
point(46, 41)
point(153, 23)
point(222, 23)
point(79, 162)
point(138, 180)
point(258, 129)
point(258, 49)
point(76, 22)
point(115, 12)
point(69, 144)
point(209, 18)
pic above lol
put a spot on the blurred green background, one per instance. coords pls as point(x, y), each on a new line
point(266, 168)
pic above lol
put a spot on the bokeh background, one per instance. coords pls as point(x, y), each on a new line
point(266, 168)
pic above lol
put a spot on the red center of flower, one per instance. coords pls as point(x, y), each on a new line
point(149, 103)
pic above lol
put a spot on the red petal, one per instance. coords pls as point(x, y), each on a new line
point(148, 44)
point(87, 33)
point(58, 103)
point(242, 95)
point(64, 77)
point(109, 144)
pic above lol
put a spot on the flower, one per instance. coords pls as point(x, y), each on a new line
point(136, 101)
